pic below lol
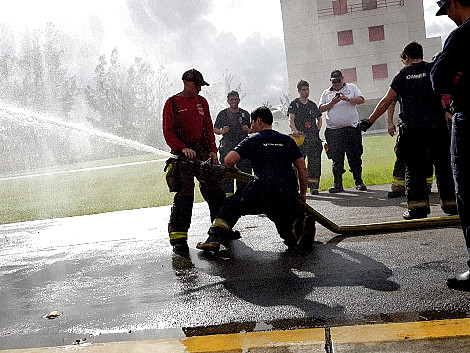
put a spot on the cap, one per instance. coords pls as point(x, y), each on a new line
point(442, 7)
point(194, 76)
point(336, 74)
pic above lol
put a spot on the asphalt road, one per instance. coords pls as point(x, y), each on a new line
point(113, 277)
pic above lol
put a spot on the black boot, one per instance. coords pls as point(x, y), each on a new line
point(180, 247)
point(338, 187)
point(212, 242)
point(307, 238)
point(416, 213)
point(460, 282)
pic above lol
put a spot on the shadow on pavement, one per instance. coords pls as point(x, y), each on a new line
point(274, 279)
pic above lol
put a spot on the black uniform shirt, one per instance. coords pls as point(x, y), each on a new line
point(271, 155)
point(422, 107)
point(455, 57)
point(305, 115)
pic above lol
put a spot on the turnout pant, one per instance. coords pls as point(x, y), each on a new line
point(181, 211)
point(228, 184)
point(312, 149)
point(461, 169)
point(398, 183)
point(415, 146)
point(281, 207)
point(345, 141)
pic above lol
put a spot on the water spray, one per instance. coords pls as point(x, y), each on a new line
point(9, 112)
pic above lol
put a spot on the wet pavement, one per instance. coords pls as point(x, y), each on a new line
point(113, 277)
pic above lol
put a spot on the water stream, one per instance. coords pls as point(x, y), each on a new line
point(15, 113)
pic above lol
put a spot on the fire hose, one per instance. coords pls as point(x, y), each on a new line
point(357, 229)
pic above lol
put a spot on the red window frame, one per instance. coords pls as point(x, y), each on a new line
point(340, 7)
point(376, 33)
point(349, 74)
point(345, 38)
point(379, 71)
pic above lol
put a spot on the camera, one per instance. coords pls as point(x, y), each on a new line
point(337, 95)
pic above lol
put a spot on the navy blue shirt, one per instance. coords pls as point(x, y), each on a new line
point(422, 107)
point(271, 155)
point(455, 57)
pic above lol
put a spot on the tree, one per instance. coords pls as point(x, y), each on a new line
point(36, 78)
point(216, 93)
point(129, 100)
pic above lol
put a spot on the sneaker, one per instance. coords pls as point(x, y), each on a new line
point(395, 193)
point(212, 243)
point(415, 214)
point(361, 187)
point(313, 191)
point(180, 247)
point(335, 189)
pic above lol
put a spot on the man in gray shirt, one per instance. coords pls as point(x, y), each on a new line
point(233, 123)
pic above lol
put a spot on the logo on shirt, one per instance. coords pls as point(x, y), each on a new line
point(200, 109)
point(414, 77)
point(266, 144)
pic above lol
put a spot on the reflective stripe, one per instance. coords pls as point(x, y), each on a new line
point(178, 235)
point(429, 180)
point(227, 194)
point(418, 204)
point(398, 184)
point(311, 181)
point(219, 222)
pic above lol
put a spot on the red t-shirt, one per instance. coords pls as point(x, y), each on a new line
point(193, 119)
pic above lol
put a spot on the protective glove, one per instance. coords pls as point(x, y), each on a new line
point(365, 124)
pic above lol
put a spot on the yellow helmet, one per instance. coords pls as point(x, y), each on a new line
point(299, 140)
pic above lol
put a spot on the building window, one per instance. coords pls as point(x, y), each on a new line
point(340, 7)
point(379, 71)
point(349, 75)
point(376, 33)
point(345, 38)
point(369, 4)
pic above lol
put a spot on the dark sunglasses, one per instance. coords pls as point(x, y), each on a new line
point(336, 80)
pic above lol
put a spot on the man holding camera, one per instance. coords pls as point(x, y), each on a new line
point(342, 134)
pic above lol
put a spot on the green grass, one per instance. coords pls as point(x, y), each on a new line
point(138, 186)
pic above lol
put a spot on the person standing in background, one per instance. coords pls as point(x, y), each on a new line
point(305, 120)
point(342, 133)
point(233, 123)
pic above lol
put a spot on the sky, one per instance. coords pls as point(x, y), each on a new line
point(243, 38)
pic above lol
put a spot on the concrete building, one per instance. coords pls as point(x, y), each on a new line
point(362, 38)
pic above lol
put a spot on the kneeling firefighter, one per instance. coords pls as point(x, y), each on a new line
point(272, 192)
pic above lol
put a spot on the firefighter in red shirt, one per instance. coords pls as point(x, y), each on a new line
point(188, 131)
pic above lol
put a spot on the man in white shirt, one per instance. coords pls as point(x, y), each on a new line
point(343, 134)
